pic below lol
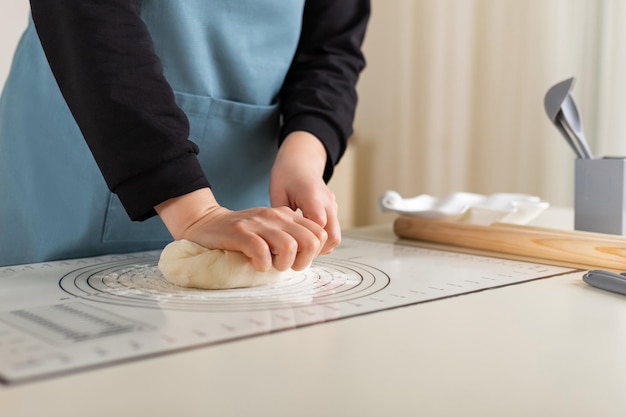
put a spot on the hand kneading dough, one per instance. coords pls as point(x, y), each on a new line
point(190, 265)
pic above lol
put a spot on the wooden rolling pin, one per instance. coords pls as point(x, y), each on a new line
point(582, 248)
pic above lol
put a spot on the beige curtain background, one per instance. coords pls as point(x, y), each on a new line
point(452, 98)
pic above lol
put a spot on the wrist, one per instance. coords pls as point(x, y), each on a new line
point(180, 213)
point(304, 147)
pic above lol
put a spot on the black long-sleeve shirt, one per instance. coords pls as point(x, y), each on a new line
point(103, 59)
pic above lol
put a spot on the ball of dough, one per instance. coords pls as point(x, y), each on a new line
point(187, 264)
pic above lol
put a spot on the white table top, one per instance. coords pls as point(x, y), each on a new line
point(553, 347)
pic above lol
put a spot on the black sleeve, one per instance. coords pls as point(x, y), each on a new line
point(319, 95)
point(102, 57)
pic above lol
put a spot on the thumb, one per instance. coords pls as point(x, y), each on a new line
point(314, 212)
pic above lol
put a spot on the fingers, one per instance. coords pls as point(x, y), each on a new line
point(296, 243)
point(333, 232)
point(277, 237)
point(325, 214)
point(295, 247)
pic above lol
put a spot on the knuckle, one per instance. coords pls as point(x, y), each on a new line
point(272, 214)
point(333, 240)
point(301, 264)
point(286, 247)
point(281, 265)
point(262, 265)
point(239, 226)
point(310, 244)
point(258, 248)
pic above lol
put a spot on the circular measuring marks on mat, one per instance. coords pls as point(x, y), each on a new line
point(139, 283)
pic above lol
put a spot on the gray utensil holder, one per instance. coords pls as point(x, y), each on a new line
point(600, 195)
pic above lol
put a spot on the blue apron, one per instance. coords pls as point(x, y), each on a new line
point(226, 61)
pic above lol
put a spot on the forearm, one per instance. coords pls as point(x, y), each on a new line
point(102, 57)
point(319, 94)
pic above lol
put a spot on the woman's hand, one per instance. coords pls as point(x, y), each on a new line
point(268, 236)
point(277, 236)
point(296, 182)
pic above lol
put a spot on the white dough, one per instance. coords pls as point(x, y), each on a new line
point(187, 264)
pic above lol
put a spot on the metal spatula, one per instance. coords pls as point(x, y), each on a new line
point(562, 111)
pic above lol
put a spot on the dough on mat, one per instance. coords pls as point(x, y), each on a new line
point(187, 264)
